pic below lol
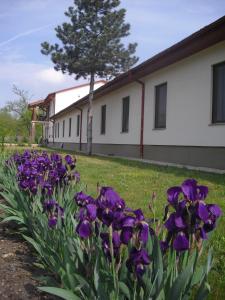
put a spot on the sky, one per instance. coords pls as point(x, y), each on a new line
point(25, 24)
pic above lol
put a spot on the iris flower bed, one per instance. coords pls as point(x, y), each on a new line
point(98, 248)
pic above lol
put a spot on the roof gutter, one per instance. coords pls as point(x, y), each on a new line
point(142, 117)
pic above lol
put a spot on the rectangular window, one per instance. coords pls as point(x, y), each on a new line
point(55, 127)
point(58, 130)
point(160, 105)
point(78, 125)
point(103, 118)
point(218, 109)
point(70, 123)
point(125, 114)
point(63, 129)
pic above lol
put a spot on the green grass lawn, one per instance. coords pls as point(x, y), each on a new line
point(136, 181)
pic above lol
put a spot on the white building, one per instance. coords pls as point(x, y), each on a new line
point(169, 109)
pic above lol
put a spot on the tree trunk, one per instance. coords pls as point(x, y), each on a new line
point(90, 115)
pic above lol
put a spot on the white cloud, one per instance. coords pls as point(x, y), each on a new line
point(49, 75)
point(38, 79)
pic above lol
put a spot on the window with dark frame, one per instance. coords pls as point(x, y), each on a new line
point(103, 118)
point(70, 121)
point(58, 130)
point(125, 114)
point(55, 128)
point(218, 101)
point(63, 131)
point(160, 105)
point(78, 125)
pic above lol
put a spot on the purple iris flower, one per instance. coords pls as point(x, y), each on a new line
point(68, 159)
point(139, 215)
point(181, 242)
point(84, 229)
point(82, 199)
point(111, 199)
point(137, 261)
point(52, 221)
point(49, 205)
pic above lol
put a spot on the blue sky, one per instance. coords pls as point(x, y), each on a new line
point(155, 25)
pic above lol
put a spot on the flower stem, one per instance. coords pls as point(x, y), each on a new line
point(113, 261)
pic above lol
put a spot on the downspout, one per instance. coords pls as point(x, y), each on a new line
point(142, 118)
point(81, 118)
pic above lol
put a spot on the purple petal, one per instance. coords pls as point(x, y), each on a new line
point(202, 211)
point(181, 242)
point(126, 235)
point(179, 222)
point(143, 233)
point(84, 229)
point(128, 222)
point(52, 222)
point(139, 215)
point(116, 239)
point(173, 195)
point(164, 245)
point(170, 223)
point(189, 189)
point(215, 210)
point(91, 212)
point(202, 192)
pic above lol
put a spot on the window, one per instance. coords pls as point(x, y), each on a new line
point(78, 125)
point(218, 109)
point(55, 127)
point(70, 121)
point(160, 105)
point(63, 132)
point(125, 114)
point(103, 118)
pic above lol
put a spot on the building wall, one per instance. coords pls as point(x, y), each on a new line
point(66, 98)
point(189, 137)
point(189, 102)
point(113, 102)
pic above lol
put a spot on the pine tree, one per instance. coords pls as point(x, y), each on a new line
point(91, 45)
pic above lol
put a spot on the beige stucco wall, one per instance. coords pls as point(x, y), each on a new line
point(113, 102)
point(189, 102)
point(66, 98)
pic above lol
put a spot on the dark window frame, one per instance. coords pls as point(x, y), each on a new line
point(78, 125)
point(55, 129)
point(63, 129)
point(103, 119)
point(58, 130)
point(214, 117)
point(70, 126)
point(125, 119)
point(157, 124)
